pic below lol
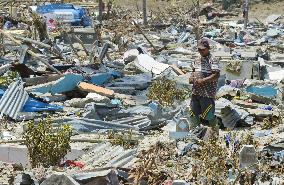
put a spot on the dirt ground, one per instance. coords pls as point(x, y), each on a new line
point(262, 10)
point(259, 10)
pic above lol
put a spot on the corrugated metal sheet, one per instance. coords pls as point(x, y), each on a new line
point(4, 68)
point(106, 155)
point(230, 113)
point(142, 122)
point(89, 125)
point(13, 99)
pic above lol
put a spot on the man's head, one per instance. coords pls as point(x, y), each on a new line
point(203, 47)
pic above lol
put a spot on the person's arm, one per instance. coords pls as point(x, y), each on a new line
point(191, 78)
point(213, 77)
point(215, 73)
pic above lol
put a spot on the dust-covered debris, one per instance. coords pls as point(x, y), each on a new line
point(125, 77)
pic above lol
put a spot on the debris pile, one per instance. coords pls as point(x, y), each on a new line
point(99, 93)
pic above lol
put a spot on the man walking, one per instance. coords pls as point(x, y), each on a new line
point(206, 72)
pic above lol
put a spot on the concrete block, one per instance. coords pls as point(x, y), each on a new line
point(130, 55)
point(19, 154)
point(82, 54)
point(247, 156)
point(181, 129)
point(98, 98)
point(147, 64)
point(182, 125)
point(96, 89)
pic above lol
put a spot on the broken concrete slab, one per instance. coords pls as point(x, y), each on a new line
point(130, 55)
point(139, 82)
point(147, 64)
point(231, 114)
point(19, 154)
point(55, 179)
point(67, 83)
point(272, 18)
point(260, 113)
point(100, 177)
point(78, 102)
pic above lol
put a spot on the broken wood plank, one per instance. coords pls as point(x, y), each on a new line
point(96, 89)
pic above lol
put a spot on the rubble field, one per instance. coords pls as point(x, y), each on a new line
point(98, 92)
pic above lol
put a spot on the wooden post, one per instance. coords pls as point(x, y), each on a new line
point(198, 30)
point(246, 8)
point(145, 12)
point(100, 11)
point(141, 31)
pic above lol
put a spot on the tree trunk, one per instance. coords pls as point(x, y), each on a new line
point(145, 12)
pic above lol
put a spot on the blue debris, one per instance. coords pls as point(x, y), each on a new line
point(114, 73)
point(279, 156)
point(79, 13)
point(227, 140)
point(33, 105)
point(154, 107)
point(100, 78)
point(139, 82)
point(266, 91)
point(67, 83)
point(116, 102)
point(267, 107)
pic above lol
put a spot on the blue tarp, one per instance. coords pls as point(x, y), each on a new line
point(79, 13)
point(33, 105)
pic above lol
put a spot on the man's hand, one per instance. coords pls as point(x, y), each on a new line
point(191, 80)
